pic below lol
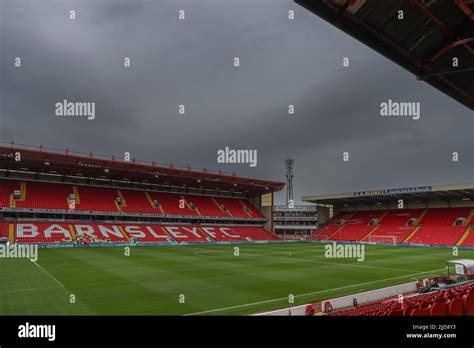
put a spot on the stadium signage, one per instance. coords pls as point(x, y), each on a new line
point(228, 155)
point(71, 109)
point(410, 189)
point(115, 232)
point(393, 191)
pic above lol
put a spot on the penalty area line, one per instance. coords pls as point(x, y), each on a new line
point(306, 294)
point(49, 274)
point(29, 289)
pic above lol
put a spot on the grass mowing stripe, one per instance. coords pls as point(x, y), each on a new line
point(49, 274)
point(317, 261)
point(24, 290)
point(307, 294)
point(149, 281)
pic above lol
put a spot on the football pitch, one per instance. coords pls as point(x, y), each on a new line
point(202, 279)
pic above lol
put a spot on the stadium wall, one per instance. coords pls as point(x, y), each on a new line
point(265, 205)
point(323, 214)
point(372, 295)
point(348, 301)
point(297, 310)
point(148, 244)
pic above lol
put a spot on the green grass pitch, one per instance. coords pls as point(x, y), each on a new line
point(213, 281)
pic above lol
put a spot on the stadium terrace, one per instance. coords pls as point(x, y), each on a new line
point(140, 202)
point(66, 202)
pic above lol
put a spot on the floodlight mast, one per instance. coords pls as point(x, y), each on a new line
point(289, 163)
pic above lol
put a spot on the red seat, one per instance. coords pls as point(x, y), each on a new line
point(424, 304)
point(439, 309)
point(419, 312)
point(434, 226)
point(469, 304)
point(412, 304)
point(55, 196)
point(409, 309)
point(456, 307)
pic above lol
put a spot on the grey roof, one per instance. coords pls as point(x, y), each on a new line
point(426, 193)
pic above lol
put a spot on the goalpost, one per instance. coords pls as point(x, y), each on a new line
point(383, 239)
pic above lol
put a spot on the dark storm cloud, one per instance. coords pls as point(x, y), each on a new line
point(190, 62)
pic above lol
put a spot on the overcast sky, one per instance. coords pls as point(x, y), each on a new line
point(190, 62)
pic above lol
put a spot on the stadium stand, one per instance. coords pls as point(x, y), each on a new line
point(441, 235)
point(51, 233)
point(434, 226)
point(96, 199)
point(453, 301)
point(438, 226)
point(357, 226)
point(257, 233)
point(332, 226)
point(389, 234)
point(400, 217)
point(326, 232)
point(6, 193)
point(139, 202)
point(469, 238)
point(42, 196)
point(170, 204)
point(51, 196)
point(236, 208)
point(4, 229)
point(54, 196)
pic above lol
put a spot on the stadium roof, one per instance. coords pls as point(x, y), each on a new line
point(66, 163)
point(425, 42)
point(468, 264)
point(422, 194)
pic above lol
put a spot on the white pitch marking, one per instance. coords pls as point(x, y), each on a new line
point(51, 276)
point(305, 260)
point(307, 294)
point(30, 289)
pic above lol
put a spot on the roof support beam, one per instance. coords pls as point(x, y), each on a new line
point(424, 68)
point(464, 6)
point(449, 47)
point(438, 20)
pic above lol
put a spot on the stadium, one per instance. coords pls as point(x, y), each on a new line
point(366, 104)
point(200, 233)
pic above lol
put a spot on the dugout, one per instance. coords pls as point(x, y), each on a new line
point(460, 270)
